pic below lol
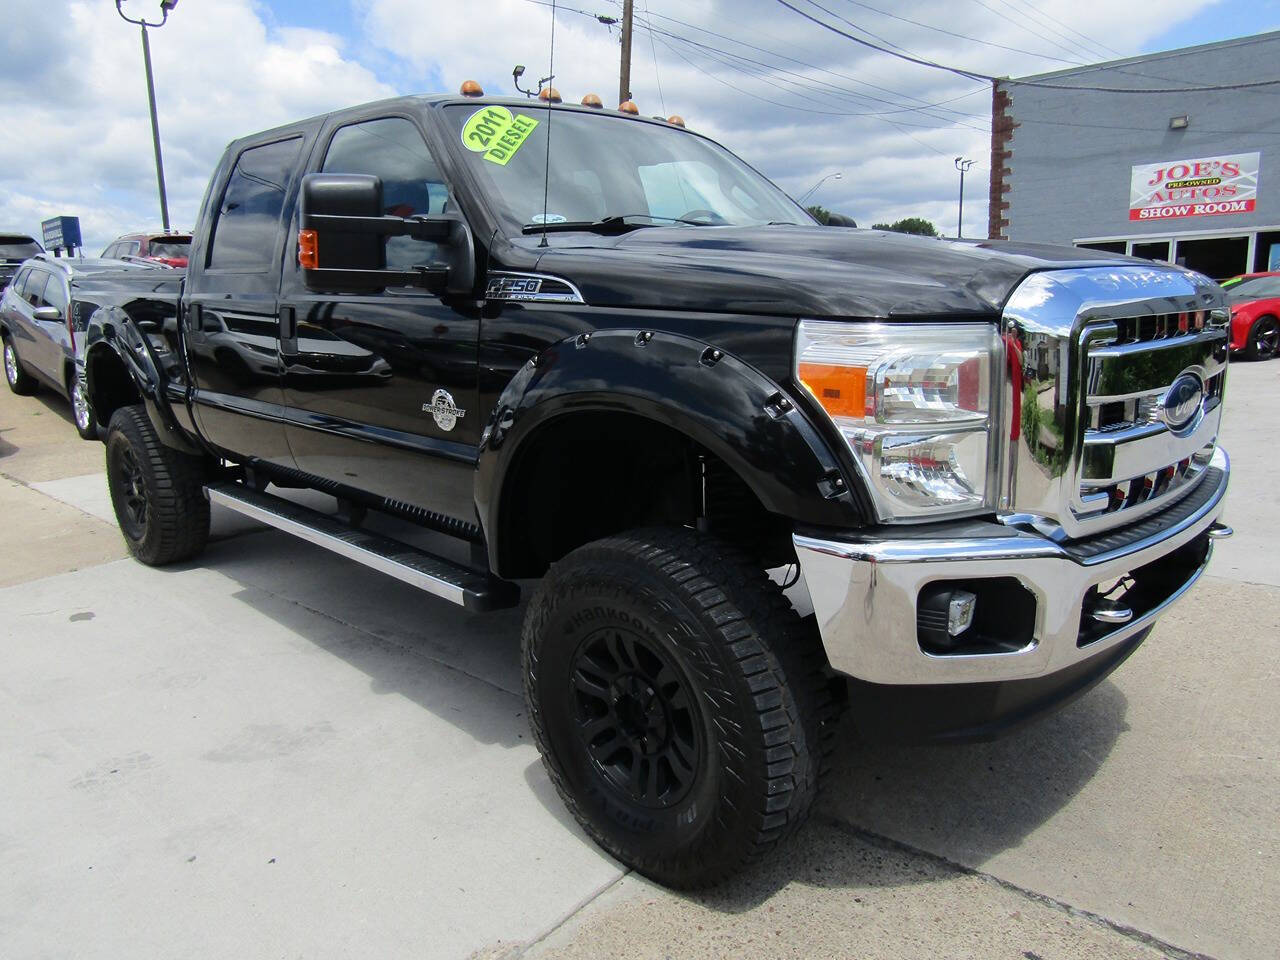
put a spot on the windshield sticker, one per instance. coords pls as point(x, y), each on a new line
point(495, 134)
point(548, 218)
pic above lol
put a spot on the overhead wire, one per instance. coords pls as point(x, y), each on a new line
point(989, 78)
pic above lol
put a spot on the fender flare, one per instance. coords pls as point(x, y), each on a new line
point(112, 330)
point(725, 405)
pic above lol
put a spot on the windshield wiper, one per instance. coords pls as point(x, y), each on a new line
point(620, 223)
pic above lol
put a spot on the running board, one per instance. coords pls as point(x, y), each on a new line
point(426, 571)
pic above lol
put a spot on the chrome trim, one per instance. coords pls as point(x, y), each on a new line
point(574, 296)
point(864, 596)
point(1060, 328)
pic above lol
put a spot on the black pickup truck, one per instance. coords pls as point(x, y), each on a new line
point(762, 470)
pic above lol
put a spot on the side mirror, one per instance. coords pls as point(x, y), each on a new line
point(47, 314)
point(342, 239)
point(840, 220)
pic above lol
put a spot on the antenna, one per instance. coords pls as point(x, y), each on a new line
point(546, 175)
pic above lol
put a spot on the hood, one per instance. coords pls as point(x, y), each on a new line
point(798, 270)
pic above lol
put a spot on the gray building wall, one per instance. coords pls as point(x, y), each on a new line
point(1070, 152)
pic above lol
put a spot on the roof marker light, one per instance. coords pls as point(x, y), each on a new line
point(629, 106)
point(676, 120)
point(592, 100)
point(471, 89)
point(550, 95)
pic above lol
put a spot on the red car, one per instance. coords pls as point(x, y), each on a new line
point(167, 248)
point(1255, 314)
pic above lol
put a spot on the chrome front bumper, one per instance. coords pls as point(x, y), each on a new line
point(864, 591)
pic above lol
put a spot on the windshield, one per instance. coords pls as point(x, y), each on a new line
point(13, 248)
point(170, 247)
point(1257, 288)
point(610, 166)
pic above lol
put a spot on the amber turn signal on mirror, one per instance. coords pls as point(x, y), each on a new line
point(308, 250)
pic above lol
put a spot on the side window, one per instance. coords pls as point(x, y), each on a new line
point(132, 249)
point(55, 295)
point(33, 290)
point(244, 236)
point(19, 281)
point(392, 148)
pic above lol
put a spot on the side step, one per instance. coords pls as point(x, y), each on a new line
point(442, 578)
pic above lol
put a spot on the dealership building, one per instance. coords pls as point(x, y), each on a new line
point(1189, 176)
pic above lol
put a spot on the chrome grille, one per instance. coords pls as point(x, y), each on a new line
point(1119, 373)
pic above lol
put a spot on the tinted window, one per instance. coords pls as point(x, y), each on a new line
point(245, 234)
point(169, 247)
point(19, 281)
point(1256, 289)
point(393, 149)
point(33, 289)
point(55, 295)
point(18, 248)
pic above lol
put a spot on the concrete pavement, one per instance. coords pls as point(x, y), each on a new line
point(276, 752)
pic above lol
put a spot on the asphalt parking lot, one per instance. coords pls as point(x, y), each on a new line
point(279, 753)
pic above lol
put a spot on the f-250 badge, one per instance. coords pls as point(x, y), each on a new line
point(513, 288)
point(443, 410)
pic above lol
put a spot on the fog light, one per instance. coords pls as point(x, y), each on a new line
point(960, 611)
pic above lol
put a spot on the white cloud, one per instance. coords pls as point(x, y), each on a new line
point(79, 138)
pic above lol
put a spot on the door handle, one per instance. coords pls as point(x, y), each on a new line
point(289, 330)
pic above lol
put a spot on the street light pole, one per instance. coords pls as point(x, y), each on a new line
point(165, 7)
point(813, 189)
point(962, 165)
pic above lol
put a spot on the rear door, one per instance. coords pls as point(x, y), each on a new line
point(31, 338)
point(230, 321)
point(382, 388)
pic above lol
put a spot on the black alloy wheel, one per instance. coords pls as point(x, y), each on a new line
point(157, 491)
point(1264, 339)
point(681, 706)
point(130, 493)
point(635, 716)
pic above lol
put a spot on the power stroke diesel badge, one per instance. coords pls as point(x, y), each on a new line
point(443, 410)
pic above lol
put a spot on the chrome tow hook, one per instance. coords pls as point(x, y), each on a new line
point(1108, 611)
point(1220, 531)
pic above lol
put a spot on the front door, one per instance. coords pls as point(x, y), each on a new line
point(382, 389)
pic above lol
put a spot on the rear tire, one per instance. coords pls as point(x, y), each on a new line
point(680, 704)
point(1264, 339)
point(20, 382)
point(157, 492)
point(82, 410)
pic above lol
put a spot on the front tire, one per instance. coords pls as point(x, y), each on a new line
point(1264, 339)
point(20, 382)
point(157, 492)
point(679, 702)
point(82, 410)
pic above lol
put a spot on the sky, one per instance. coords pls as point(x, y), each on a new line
point(796, 101)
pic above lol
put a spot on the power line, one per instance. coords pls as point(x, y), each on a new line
point(1096, 44)
point(1073, 50)
point(975, 75)
point(927, 26)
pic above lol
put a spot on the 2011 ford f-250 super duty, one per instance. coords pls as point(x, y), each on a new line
point(625, 363)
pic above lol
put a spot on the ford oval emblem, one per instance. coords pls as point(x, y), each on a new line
point(1182, 402)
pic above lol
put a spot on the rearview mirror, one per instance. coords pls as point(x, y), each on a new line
point(50, 314)
point(840, 220)
point(342, 239)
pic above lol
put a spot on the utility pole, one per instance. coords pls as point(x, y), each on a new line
point(962, 165)
point(624, 72)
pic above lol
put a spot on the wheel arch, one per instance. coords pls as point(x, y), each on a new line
point(620, 405)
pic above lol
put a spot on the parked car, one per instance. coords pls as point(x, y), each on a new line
point(42, 322)
point(1255, 314)
point(624, 362)
point(15, 248)
point(167, 248)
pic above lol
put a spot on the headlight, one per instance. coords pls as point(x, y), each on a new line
point(916, 403)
